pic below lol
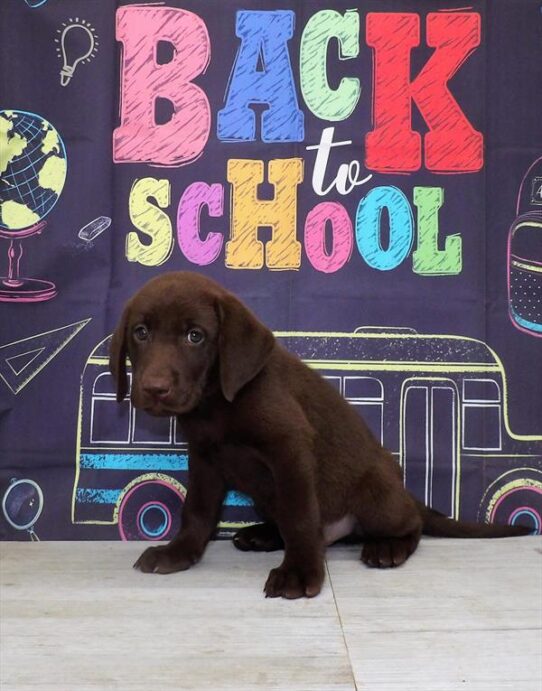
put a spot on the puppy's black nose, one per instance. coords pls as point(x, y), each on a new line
point(157, 388)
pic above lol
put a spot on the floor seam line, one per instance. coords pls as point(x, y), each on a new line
point(341, 625)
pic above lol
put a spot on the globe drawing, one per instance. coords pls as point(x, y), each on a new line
point(33, 170)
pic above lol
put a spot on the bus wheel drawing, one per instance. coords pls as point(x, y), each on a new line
point(515, 497)
point(151, 510)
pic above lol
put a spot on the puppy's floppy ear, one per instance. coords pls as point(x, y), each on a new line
point(244, 345)
point(117, 356)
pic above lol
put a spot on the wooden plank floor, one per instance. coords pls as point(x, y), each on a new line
point(458, 615)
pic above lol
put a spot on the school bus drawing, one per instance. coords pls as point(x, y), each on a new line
point(439, 403)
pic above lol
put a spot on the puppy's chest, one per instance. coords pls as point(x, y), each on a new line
point(234, 455)
point(214, 439)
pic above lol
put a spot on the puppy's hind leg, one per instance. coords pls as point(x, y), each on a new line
point(388, 518)
point(261, 537)
point(388, 552)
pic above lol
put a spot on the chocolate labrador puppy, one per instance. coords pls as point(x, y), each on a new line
point(259, 420)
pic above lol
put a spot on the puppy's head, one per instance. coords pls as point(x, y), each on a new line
point(186, 337)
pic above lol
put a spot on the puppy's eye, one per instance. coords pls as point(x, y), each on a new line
point(195, 336)
point(141, 333)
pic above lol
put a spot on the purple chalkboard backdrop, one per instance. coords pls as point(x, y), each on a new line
point(367, 177)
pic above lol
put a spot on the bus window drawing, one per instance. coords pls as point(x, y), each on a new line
point(439, 403)
point(525, 255)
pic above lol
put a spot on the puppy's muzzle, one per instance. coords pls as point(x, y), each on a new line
point(157, 389)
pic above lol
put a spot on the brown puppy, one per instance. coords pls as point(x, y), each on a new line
point(259, 420)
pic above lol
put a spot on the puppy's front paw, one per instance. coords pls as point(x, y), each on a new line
point(163, 560)
point(291, 583)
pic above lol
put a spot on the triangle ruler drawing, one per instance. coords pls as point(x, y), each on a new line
point(22, 360)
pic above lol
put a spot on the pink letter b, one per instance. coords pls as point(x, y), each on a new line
point(139, 139)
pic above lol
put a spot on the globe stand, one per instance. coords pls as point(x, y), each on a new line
point(13, 287)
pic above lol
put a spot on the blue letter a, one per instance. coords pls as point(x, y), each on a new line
point(264, 36)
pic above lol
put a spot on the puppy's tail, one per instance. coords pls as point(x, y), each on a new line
point(439, 525)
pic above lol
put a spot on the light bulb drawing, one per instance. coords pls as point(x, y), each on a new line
point(78, 43)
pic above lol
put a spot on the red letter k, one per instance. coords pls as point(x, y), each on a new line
point(452, 145)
